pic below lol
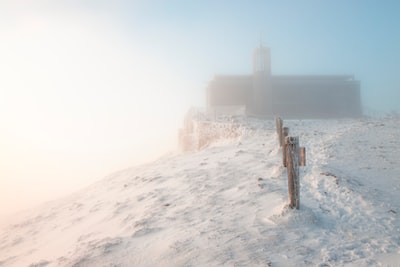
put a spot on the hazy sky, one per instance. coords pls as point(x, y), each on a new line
point(89, 87)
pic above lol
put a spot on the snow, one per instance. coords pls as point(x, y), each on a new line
point(226, 205)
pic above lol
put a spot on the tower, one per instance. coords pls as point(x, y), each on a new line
point(262, 61)
point(261, 95)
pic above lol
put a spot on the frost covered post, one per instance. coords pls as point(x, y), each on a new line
point(292, 153)
point(302, 155)
point(279, 125)
point(285, 133)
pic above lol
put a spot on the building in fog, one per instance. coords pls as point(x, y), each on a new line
point(290, 96)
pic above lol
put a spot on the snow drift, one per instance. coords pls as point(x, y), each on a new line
point(226, 205)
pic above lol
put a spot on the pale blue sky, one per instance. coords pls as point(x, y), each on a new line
point(88, 87)
point(306, 37)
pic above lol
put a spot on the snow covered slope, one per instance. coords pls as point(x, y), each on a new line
point(226, 205)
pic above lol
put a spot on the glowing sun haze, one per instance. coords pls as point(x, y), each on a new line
point(79, 99)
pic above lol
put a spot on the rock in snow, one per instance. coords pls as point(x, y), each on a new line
point(226, 205)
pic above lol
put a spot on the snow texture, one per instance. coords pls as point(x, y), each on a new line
point(226, 205)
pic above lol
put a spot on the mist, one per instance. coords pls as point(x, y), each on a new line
point(79, 99)
point(92, 87)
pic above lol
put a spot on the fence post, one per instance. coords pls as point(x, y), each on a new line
point(302, 156)
point(292, 153)
point(285, 133)
point(279, 124)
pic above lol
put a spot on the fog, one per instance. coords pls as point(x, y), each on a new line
point(91, 87)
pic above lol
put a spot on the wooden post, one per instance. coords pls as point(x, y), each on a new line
point(285, 133)
point(292, 153)
point(279, 124)
point(302, 156)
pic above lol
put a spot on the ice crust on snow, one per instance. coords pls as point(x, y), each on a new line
point(227, 205)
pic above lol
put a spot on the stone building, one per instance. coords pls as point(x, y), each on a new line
point(290, 96)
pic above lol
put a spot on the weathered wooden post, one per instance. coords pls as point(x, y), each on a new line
point(302, 156)
point(279, 125)
point(285, 133)
point(292, 153)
